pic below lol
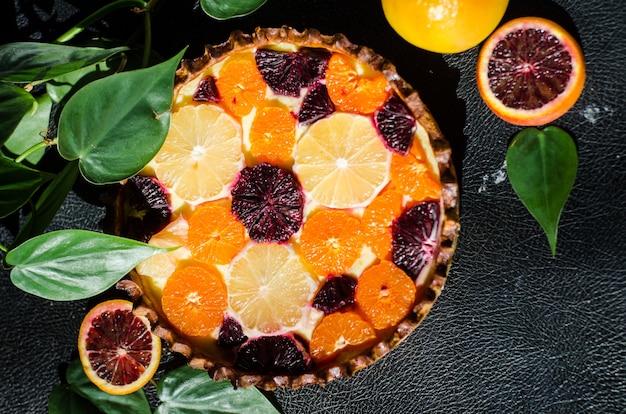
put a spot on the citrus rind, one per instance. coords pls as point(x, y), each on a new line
point(555, 108)
point(84, 351)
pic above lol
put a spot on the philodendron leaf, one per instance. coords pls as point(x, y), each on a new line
point(134, 403)
point(48, 203)
point(114, 126)
point(542, 165)
point(32, 61)
point(191, 391)
point(31, 130)
point(63, 400)
point(74, 264)
point(15, 102)
point(18, 183)
point(221, 10)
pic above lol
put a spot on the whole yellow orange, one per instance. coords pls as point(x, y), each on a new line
point(444, 26)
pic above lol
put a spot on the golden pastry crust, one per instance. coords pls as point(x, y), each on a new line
point(427, 292)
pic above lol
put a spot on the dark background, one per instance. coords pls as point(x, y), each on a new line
point(515, 330)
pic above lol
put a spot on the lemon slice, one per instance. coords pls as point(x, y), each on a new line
point(201, 154)
point(341, 162)
point(268, 287)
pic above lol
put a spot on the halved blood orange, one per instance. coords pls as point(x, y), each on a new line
point(530, 71)
point(118, 351)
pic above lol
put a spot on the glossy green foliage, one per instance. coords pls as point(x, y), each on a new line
point(542, 165)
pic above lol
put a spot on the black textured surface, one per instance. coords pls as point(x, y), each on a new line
point(515, 330)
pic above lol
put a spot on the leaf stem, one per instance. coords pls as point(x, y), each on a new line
point(97, 15)
point(3, 248)
point(147, 45)
point(43, 144)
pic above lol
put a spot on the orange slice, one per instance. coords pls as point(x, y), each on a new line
point(412, 174)
point(194, 300)
point(201, 154)
point(351, 90)
point(273, 135)
point(377, 222)
point(384, 294)
point(337, 333)
point(215, 235)
point(118, 351)
point(241, 85)
point(530, 71)
point(269, 287)
point(331, 241)
point(341, 162)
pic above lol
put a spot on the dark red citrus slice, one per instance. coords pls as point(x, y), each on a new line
point(274, 354)
point(287, 73)
point(415, 235)
point(396, 124)
point(530, 71)
point(117, 349)
point(268, 200)
point(336, 293)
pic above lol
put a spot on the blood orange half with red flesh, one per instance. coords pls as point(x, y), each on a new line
point(118, 351)
point(530, 71)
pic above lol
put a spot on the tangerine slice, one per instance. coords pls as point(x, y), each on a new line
point(195, 299)
point(269, 287)
point(241, 85)
point(337, 333)
point(412, 174)
point(341, 162)
point(273, 135)
point(118, 351)
point(530, 71)
point(352, 91)
point(377, 222)
point(385, 294)
point(331, 241)
point(215, 235)
point(201, 154)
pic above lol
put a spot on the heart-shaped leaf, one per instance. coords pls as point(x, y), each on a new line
point(221, 10)
point(15, 102)
point(116, 125)
point(32, 61)
point(63, 400)
point(74, 264)
point(18, 183)
point(31, 130)
point(190, 391)
point(542, 165)
point(133, 403)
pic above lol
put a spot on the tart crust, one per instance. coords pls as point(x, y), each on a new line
point(427, 292)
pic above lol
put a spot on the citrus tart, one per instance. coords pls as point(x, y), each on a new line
point(311, 205)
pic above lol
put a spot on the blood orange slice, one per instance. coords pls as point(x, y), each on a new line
point(118, 351)
point(530, 71)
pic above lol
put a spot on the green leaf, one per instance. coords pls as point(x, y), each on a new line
point(221, 10)
point(31, 130)
point(74, 264)
point(32, 61)
point(15, 102)
point(61, 86)
point(18, 183)
point(190, 391)
point(541, 165)
point(48, 203)
point(63, 400)
point(134, 403)
point(116, 125)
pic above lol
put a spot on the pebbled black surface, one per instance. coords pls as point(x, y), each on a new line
point(515, 330)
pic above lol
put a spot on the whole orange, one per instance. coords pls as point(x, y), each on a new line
point(444, 26)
